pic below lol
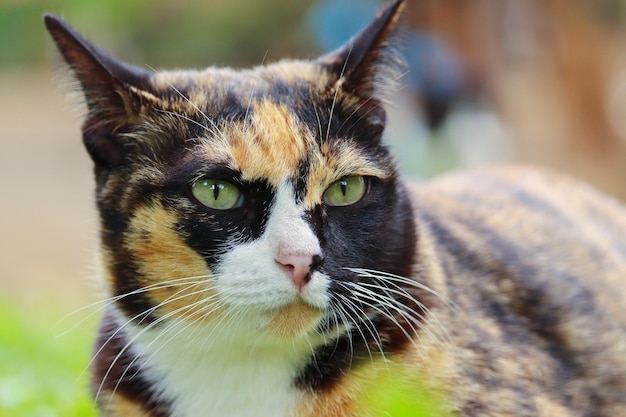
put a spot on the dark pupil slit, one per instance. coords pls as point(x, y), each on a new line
point(344, 186)
point(216, 190)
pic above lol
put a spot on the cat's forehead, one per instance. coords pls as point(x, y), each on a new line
point(268, 145)
point(273, 145)
point(278, 80)
point(271, 124)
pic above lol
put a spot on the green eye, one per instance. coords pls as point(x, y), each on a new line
point(217, 194)
point(345, 192)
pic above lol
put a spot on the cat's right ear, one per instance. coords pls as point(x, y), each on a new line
point(368, 65)
point(111, 90)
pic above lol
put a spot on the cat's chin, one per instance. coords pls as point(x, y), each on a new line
point(294, 320)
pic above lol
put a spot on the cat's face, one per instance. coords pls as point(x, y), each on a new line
point(252, 206)
point(260, 200)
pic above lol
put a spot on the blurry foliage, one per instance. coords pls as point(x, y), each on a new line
point(161, 33)
point(398, 392)
point(41, 369)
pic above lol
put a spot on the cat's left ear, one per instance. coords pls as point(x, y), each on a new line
point(367, 65)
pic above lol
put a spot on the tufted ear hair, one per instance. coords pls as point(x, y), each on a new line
point(367, 65)
point(110, 87)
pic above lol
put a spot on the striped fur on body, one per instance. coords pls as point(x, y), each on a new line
point(499, 292)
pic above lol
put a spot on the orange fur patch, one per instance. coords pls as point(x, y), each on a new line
point(271, 146)
point(119, 406)
point(178, 277)
point(293, 320)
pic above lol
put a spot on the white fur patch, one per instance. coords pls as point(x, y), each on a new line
point(249, 275)
point(220, 372)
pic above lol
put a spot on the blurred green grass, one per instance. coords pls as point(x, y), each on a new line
point(42, 363)
point(398, 392)
point(185, 33)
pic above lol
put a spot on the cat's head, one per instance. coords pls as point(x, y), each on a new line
point(259, 199)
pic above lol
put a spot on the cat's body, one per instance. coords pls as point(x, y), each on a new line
point(535, 266)
point(264, 258)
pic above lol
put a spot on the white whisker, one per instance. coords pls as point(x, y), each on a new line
point(364, 319)
point(202, 313)
point(203, 114)
point(389, 303)
point(337, 87)
point(189, 119)
point(145, 314)
point(371, 273)
point(439, 328)
point(345, 318)
point(106, 302)
point(110, 301)
point(387, 279)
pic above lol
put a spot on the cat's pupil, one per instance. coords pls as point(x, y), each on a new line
point(344, 186)
point(216, 190)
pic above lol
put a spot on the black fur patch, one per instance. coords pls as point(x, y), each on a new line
point(207, 230)
point(361, 225)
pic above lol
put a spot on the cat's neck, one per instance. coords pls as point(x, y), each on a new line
point(229, 373)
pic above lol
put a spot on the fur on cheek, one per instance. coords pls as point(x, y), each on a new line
point(176, 277)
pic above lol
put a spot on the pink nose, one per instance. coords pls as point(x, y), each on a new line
point(298, 267)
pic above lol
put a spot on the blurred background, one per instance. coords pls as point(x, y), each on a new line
point(487, 81)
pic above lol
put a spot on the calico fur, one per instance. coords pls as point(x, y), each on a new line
point(497, 292)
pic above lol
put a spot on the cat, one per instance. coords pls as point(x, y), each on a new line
point(263, 257)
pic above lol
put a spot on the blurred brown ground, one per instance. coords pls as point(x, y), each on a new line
point(47, 219)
